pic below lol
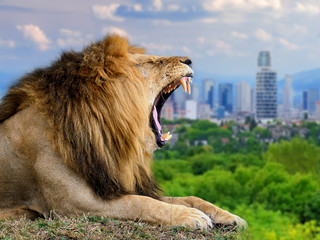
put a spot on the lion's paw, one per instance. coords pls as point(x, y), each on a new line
point(223, 217)
point(190, 217)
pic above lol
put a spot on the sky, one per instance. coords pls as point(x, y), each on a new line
point(222, 37)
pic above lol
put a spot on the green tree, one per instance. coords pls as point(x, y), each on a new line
point(297, 155)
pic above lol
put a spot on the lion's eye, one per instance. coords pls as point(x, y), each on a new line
point(160, 62)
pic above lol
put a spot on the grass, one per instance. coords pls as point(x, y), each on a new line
point(92, 227)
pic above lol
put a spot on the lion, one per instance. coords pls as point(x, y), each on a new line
point(77, 138)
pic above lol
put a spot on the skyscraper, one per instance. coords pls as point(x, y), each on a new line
point(313, 97)
point(266, 88)
point(208, 92)
point(243, 97)
point(179, 101)
point(195, 92)
point(225, 96)
point(287, 96)
point(264, 59)
point(305, 100)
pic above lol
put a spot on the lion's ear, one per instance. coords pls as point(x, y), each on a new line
point(115, 46)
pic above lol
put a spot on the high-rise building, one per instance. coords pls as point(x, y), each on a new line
point(243, 97)
point(191, 109)
point(318, 111)
point(167, 110)
point(226, 96)
point(179, 100)
point(208, 92)
point(266, 88)
point(264, 59)
point(313, 97)
point(204, 111)
point(305, 100)
point(195, 92)
point(287, 96)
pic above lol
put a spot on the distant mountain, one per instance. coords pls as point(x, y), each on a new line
point(303, 80)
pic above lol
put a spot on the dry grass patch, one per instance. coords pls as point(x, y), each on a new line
point(91, 227)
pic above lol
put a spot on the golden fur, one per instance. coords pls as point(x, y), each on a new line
point(75, 138)
point(101, 141)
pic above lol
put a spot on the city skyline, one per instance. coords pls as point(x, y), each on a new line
point(220, 100)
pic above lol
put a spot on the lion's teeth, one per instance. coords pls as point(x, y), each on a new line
point(188, 88)
point(183, 83)
point(166, 137)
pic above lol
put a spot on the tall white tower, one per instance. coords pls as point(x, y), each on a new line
point(266, 88)
point(243, 97)
point(287, 100)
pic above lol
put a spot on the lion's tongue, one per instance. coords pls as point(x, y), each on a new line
point(155, 118)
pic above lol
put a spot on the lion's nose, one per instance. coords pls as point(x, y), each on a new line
point(187, 61)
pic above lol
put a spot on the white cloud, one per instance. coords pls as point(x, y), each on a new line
point(186, 50)
point(7, 43)
point(71, 38)
point(137, 8)
point(174, 7)
point(208, 20)
point(36, 35)
point(161, 22)
point(307, 8)
point(222, 5)
point(157, 48)
point(288, 45)
point(219, 47)
point(70, 33)
point(157, 4)
point(239, 35)
point(263, 35)
point(223, 47)
point(201, 40)
point(114, 30)
point(104, 12)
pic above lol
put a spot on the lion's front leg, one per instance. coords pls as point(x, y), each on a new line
point(218, 215)
point(67, 193)
point(135, 207)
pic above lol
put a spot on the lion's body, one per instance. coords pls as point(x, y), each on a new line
point(75, 138)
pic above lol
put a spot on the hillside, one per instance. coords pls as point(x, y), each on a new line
point(100, 228)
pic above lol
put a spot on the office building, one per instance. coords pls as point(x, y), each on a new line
point(208, 87)
point(287, 96)
point(318, 111)
point(195, 92)
point(264, 59)
point(313, 97)
point(204, 111)
point(304, 100)
point(266, 88)
point(243, 98)
point(226, 97)
point(179, 101)
point(191, 109)
point(167, 111)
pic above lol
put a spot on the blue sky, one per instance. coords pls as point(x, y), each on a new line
point(221, 36)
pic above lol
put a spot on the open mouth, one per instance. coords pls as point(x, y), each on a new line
point(162, 138)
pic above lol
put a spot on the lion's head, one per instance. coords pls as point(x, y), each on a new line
point(103, 107)
point(163, 76)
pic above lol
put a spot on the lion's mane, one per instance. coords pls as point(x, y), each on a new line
point(97, 109)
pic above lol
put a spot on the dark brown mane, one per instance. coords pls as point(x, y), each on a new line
point(95, 102)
